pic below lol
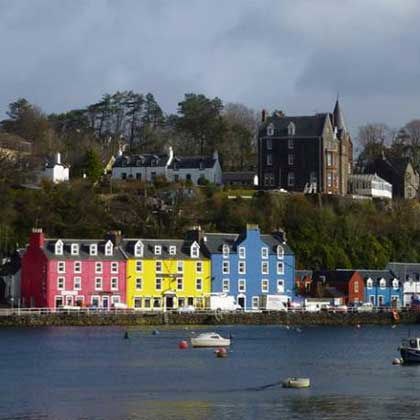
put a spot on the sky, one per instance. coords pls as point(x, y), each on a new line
point(290, 55)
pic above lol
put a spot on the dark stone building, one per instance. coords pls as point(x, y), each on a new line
point(305, 153)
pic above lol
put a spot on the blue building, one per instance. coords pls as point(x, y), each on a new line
point(382, 288)
point(250, 265)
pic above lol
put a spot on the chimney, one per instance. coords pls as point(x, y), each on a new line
point(263, 115)
point(37, 238)
point(58, 158)
point(195, 234)
point(114, 236)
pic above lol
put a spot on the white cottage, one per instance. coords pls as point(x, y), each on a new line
point(56, 171)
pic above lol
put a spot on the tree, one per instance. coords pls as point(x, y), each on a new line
point(93, 165)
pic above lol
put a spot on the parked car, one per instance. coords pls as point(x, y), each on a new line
point(365, 307)
point(186, 309)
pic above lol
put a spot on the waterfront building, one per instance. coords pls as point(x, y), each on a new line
point(305, 153)
point(409, 276)
point(165, 274)
point(369, 185)
point(303, 281)
point(382, 288)
point(249, 265)
point(73, 272)
point(147, 167)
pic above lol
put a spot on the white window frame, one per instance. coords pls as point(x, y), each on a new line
point(180, 266)
point(255, 302)
point(109, 248)
point(59, 247)
point(369, 283)
point(77, 283)
point(61, 280)
point(280, 267)
point(269, 160)
point(61, 267)
point(241, 267)
point(280, 252)
point(101, 283)
point(291, 179)
point(179, 283)
point(195, 250)
point(137, 299)
point(225, 285)
point(74, 249)
point(115, 299)
point(114, 267)
point(291, 159)
point(79, 298)
point(265, 267)
point(114, 279)
point(93, 249)
point(137, 281)
point(161, 266)
point(270, 130)
point(158, 250)
point(139, 264)
point(382, 284)
point(395, 284)
point(264, 253)
point(160, 280)
point(138, 249)
point(98, 267)
point(265, 286)
point(241, 285)
point(77, 267)
point(290, 144)
point(242, 252)
point(225, 251)
point(280, 286)
point(199, 281)
point(226, 267)
point(172, 250)
point(95, 297)
point(199, 267)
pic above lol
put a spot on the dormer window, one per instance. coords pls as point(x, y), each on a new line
point(74, 249)
point(109, 248)
point(382, 283)
point(280, 252)
point(269, 144)
point(93, 249)
point(369, 283)
point(291, 129)
point(138, 249)
point(158, 250)
point(264, 252)
point(270, 130)
point(59, 247)
point(195, 250)
point(225, 251)
point(172, 250)
point(395, 284)
point(242, 252)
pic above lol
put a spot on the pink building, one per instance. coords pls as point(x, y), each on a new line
point(73, 272)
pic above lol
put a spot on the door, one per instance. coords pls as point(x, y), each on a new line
point(241, 302)
point(105, 302)
point(169, 302)
point(58, 302)
point(69, 300)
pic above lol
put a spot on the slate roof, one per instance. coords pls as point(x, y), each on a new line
point(182, 248)
point(49, 250)
point(306, 126)
point(214, 242)
point(339, 117)
point(192, 162)
point(333, 276)
point(243, 176)
point(377, 275)
point(405, 271)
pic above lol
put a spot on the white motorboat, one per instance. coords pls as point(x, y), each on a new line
point(210, 340)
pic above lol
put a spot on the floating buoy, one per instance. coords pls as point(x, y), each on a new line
point(126, 335)
point(396, 361)
point(298, 330)
point(296, 383)
point(221, 352)
point(155, 332)
point(183, 345)
point(394, 326)
point(358, 326)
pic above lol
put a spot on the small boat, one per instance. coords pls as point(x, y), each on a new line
point(210, 340)
point(297, 383)
point(410, 350)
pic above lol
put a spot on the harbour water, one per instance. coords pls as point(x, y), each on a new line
point(94, 373)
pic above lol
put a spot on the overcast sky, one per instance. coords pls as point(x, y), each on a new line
point(293, 55)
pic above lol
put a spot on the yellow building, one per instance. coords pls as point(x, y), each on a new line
point(164, 274)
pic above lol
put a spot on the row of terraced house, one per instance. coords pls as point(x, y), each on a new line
point(156, 274)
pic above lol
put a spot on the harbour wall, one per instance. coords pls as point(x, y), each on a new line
point(166, 318)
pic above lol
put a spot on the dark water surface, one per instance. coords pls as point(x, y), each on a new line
point(93, 373)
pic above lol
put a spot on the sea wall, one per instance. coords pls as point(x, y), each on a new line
point(151, 319)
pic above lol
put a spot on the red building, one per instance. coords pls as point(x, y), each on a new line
point(73, 272)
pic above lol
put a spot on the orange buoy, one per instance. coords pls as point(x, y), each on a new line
point(183, 345)
point(221, 352)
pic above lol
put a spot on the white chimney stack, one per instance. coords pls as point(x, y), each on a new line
point(58, 159)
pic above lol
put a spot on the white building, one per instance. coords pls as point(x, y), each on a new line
point(147, 167)
point(56, 171)
point(369, 185)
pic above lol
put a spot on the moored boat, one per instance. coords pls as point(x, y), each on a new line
point(410, 350)
point(210, 340)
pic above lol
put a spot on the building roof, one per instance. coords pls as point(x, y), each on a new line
point(333, 276)
point(367, 178)
point(239, 176)
point(192, 162)
point(404, 271)
point(339, 117)
point(305, 126)
point(377, 275)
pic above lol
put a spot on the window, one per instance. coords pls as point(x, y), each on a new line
point(269, 159)
point(180, 266)
point(395, 284)
point(179, 283)
point(280, 286)
point(115, 299)
point(270, 130)
point(195, 250)
point(291, 143)
point(241, 267)
point(226, 285)
point(139, 266)
point(156, 303)
point(79, 300)
point(268, 179)
point(199, 284)
point(264, 267)
point(123, 175)
point(369, 283)
point(114, 267)
point(77, 283)
point(329, 179)
point(158, 250)
point(242, 252)
point(93, 249)
point(98, 267)
point(291, 159)
point(291, 129)
point(138, 249)
point(241, 285)
point(147, 303)
point(158, 266)
point(137, 302)
point(380, 300)
point(280, 267)
point(77, 267)
point(58, 301)
point(74, 249)
point(264, 253)
point(61, 267)
point(172, 250)
point(291, 179)
point(225, 251)
point(199, 266)
point(108, 248)
point(264, 286)
point(60, 283)
point(255, 302)
point(226, 267)
point(269, 144)
point(59, 247)
point(139, 283)
point(382, 283)
point(280, 252)
point(95, 301)
point(158, 283)
point(114, 283)
point(372, 299)
point(356, 287)
point(98, 283)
